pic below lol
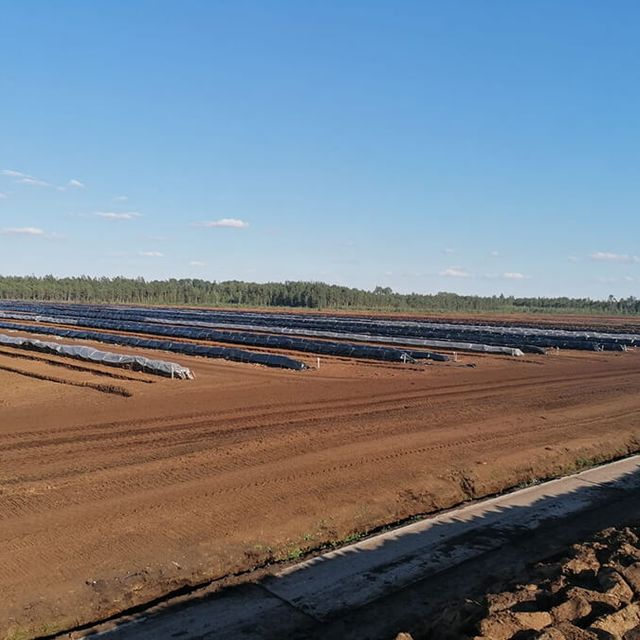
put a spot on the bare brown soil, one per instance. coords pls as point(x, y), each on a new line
point(109, 501)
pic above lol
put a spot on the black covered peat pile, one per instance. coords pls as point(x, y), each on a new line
point(591, 593)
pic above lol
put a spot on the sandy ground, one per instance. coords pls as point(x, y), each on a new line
point(107, 501)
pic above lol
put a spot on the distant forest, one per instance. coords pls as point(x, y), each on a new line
point(312, 295)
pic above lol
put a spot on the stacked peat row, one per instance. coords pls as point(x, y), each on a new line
point(89, 354)
point(186, 348)
point(357, 337)
point(111, 320)
point(529, 339)
point(408, 347)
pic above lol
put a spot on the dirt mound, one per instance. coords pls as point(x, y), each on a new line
point(590, 593)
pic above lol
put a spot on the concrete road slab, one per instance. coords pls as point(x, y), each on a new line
point(243, 613)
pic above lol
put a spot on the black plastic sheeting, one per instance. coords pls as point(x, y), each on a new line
point(396, 348)
point(529, 340)
point(250, 339)
point(526, 338)
point(227, 353)
point(401, 342)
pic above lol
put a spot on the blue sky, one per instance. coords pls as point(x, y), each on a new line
point(476, 147)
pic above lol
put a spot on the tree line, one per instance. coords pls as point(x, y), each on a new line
point(313, 295)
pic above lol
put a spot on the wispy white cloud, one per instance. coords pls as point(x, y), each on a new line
point(3, 196)
point(454, 272)
point(151, 254)
point(24, 178)
point(231, 223)
point(34, 182)
point(573, 259)
point(448, 251)
point(197, 263)
point(117, 215)
point(11, 173)
point(22, 231)
point(495, 254)
point(121, 198)
point(607, 256)
point(507, 275)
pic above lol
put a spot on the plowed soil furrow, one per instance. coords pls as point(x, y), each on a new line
point(381, 403)
point(183, 442)
point(182, 438)
point(60, 496)
point(194, 468)
point(28, 372)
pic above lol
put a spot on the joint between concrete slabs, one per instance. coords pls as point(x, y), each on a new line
point(288, 603)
